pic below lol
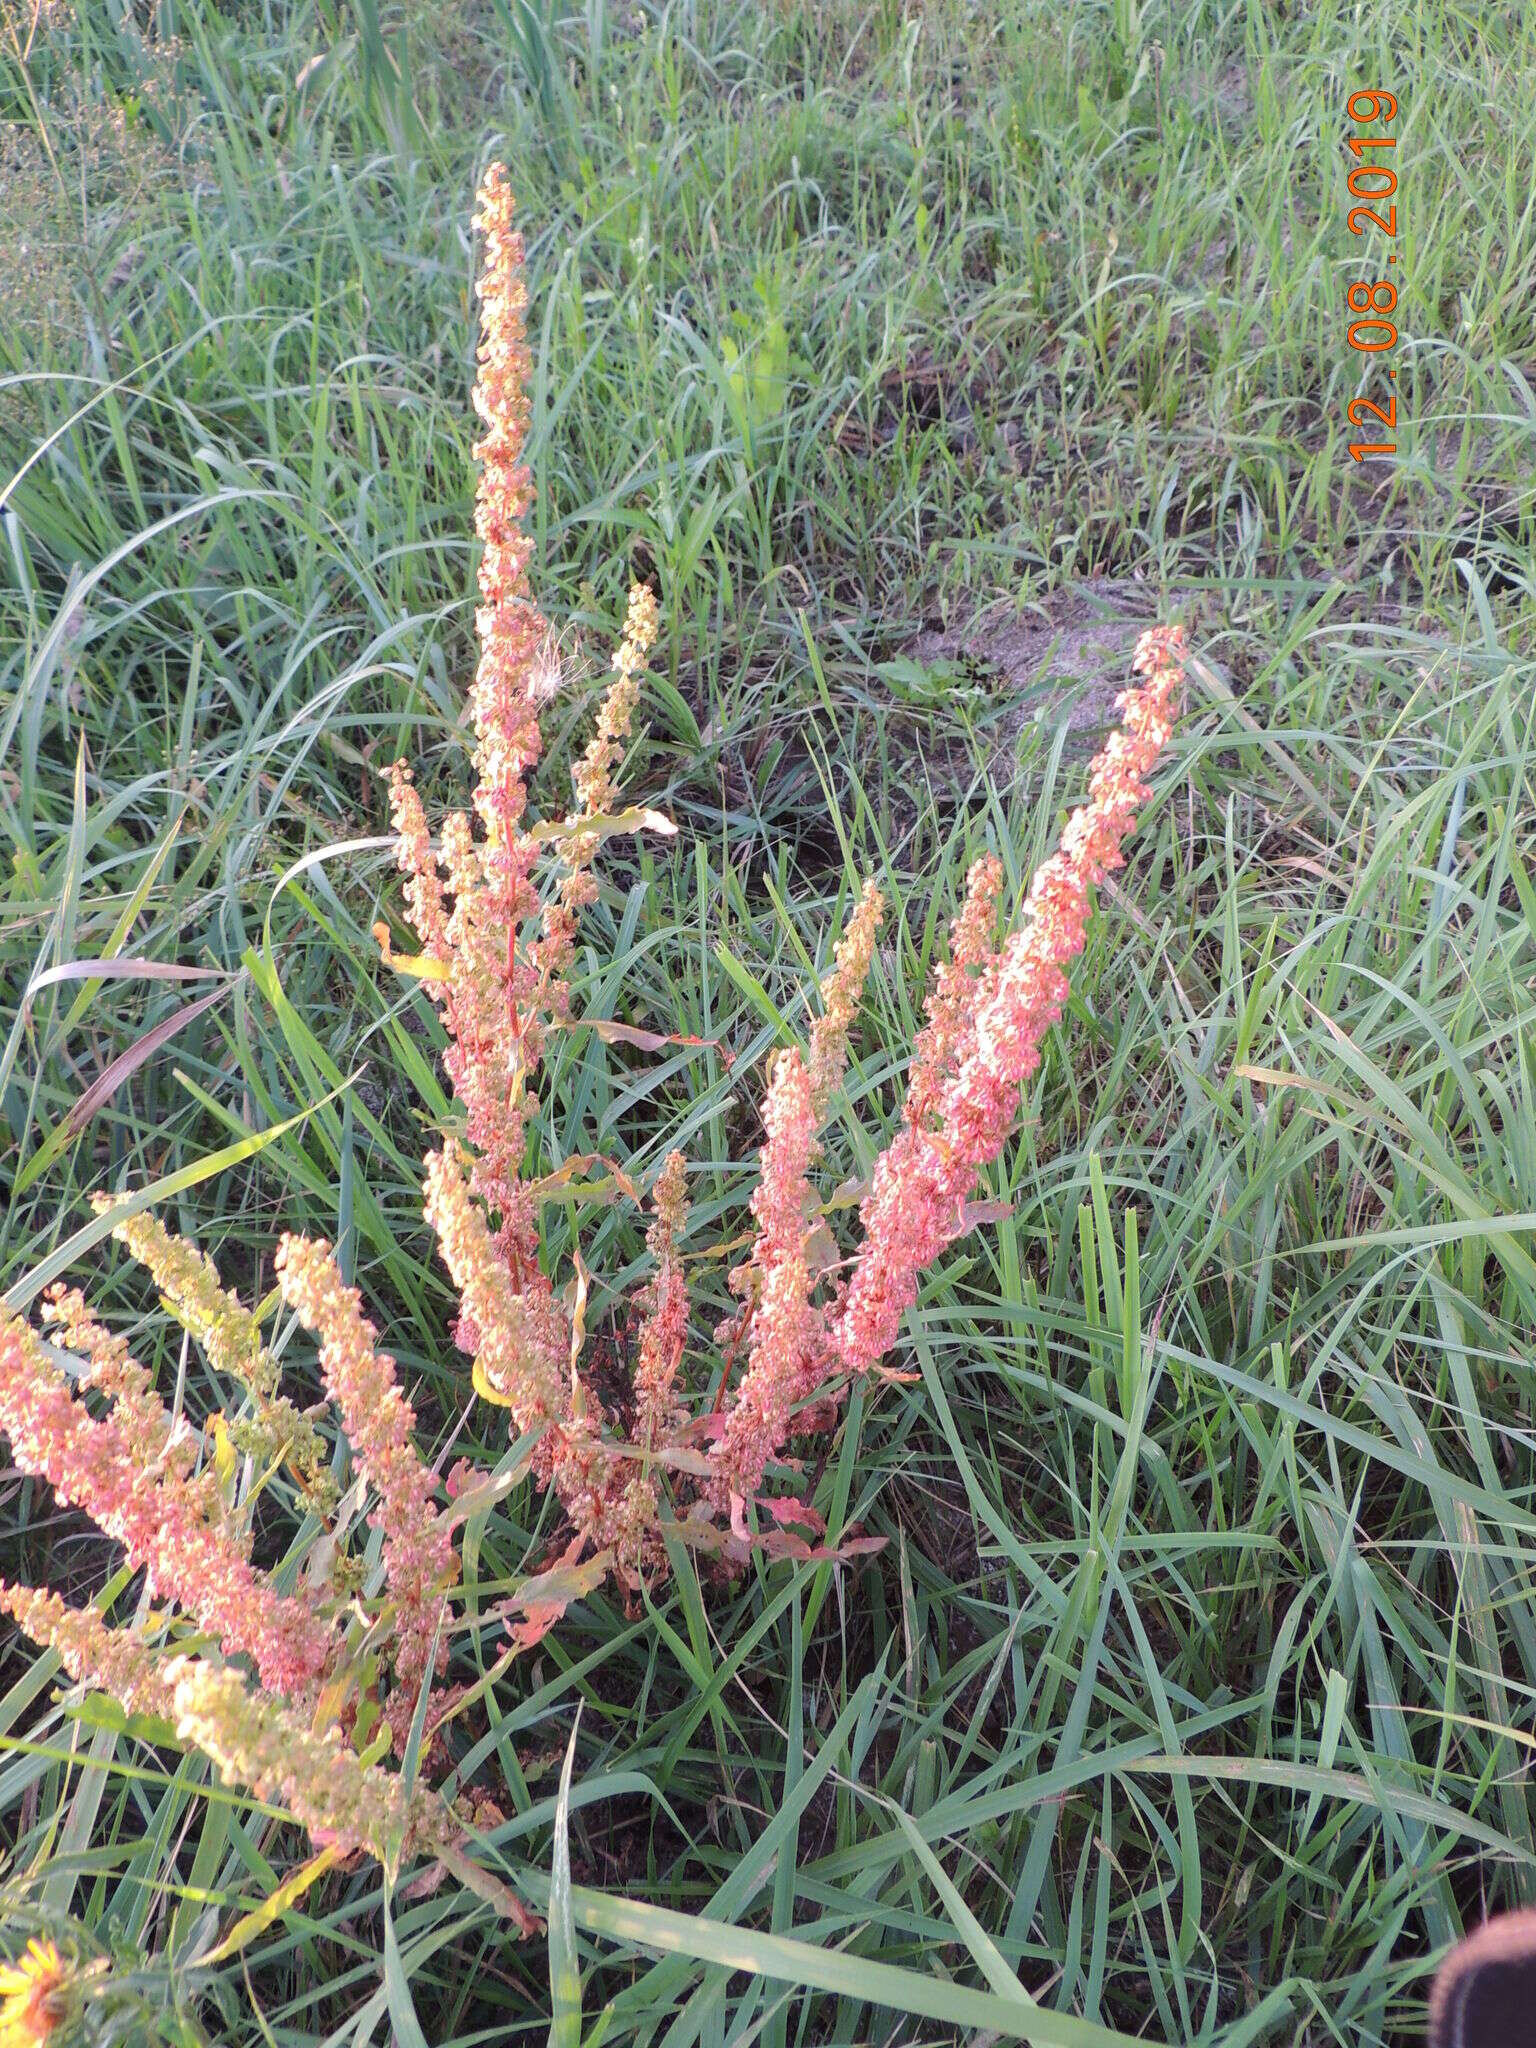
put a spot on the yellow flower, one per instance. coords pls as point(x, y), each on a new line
point(34, 1996)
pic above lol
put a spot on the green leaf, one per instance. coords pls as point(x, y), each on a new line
point(564, 1959)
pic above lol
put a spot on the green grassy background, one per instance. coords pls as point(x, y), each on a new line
point(920, 358)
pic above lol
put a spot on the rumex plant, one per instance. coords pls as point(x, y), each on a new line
point(305, 1690)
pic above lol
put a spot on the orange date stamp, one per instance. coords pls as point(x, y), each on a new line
point(1373, 182)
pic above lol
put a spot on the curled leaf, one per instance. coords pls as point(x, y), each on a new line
point(487, 1389)
point(611, 1032)
point(421, 965)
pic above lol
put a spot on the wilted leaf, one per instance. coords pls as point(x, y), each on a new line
point(476, 1500)
point(604, 825)
point(611, 1032)
point(545, 1597)
point(563, 1181)
point(484, 1886)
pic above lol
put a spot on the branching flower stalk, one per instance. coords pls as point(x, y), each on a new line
point(153, 1484)
point(163, 1521)
point(230, 1337)
point(256, 1739)
point(983, 1040)
point(283, 1689)
point(499, 964)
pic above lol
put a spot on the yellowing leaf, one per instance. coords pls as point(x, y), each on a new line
point(226, 1460)
point(249, 1925)
point(543, 1599)
point(604, 825)
point(486, 1390)
point(421, 965)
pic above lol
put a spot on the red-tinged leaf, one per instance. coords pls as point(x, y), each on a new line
point(536, 1623)
point(543, 1599)
point(782, 1543)
point(972, 1213)
point(121, 967)
point(481, 1882)
point(787, 1510)
point(425, 1885)
point(111, 1078)
point(611, 1032)
point(737, 1542)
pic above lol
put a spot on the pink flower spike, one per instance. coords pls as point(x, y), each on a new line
point(419, 1560)
point(969, 1073)
point(157, 1519)
point(783, 1348)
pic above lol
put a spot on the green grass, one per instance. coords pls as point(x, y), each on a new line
point(1193, 1688)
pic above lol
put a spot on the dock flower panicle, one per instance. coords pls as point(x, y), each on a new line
point(782, 1329)
point(267, 1678)
point(274, 1678)
point(502, 956)
point(984, 1040)
point(119, 1661)
point(163, 1519)
point(259, 1742)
